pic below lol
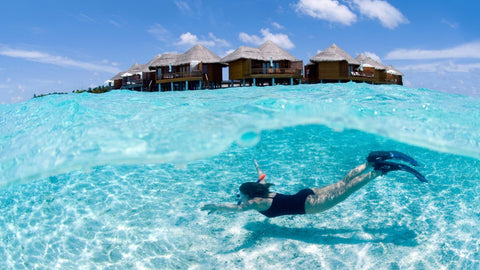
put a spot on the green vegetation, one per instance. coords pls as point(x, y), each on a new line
point(97, 90)
point(54, 93)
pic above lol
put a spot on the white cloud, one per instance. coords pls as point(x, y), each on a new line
point(159, 32)
point(227, 52)
point(329, 10)
point(336, 12)
point(387, 14)
point(115, 23)
point(277, 25)
point(373, 56)
point(191, 39)
point(107, 62)
point(452, 25)
point(441, 67)
point(468, 50)
point(183, 6)
point(219, 42)
point(281, 40)
point(45, 81)
point(252, 39)
point(188, 39)
point(41, 57)
point(86, 18)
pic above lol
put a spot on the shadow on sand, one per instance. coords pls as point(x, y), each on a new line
point(261, 231)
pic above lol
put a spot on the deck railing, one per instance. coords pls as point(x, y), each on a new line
point(360, 74)
point(133, 82)
point(292, 71)
point(175, 75)
point(392, 80)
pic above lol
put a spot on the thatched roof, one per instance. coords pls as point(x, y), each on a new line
point(242, 52)
point(198, 53)
point(265, 52)
point(394, 71)
point(164, 60)
point(135, 69)
point(362, 58)
point(117, 77)
point(333, 54)
point(272, 51)
point(149, 64)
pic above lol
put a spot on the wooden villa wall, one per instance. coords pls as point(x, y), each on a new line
point(380, 76)
point(398, 79)
point(311, 73)
point(117, 84)
point(296, 65)
point(235, 70)
point(239, 69)
point(149, 81)
point(333, 70)
point(369, 72)
point(250, 69)
point(368, 75)
point(394, 79)
point(214, 73)
point(164, 70)
point(340, 71)
point(284, 64)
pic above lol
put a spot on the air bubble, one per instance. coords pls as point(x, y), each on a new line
point(249, 136)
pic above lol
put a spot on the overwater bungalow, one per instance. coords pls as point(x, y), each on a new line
point(132, 78)
point(370, 70)
point(269, 64)
point(149, 78)
point(116, 81)
point(266, 64)
point(331, 65)
point(139, 78)
point(335, 65)
point(394, 76)
point(164, 68)
point(198, 68)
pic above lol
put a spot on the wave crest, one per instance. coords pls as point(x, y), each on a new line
point(57, 134)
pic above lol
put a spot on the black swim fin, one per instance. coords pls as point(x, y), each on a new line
point(387, 166)
point(384, 155)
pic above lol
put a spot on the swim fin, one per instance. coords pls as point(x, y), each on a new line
point(384, 155)
point(387, 166)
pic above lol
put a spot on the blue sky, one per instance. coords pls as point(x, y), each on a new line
point(48, 46)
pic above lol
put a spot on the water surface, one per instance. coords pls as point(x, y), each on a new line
point(116, 180)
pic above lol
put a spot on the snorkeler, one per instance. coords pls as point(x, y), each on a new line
point(257, 196)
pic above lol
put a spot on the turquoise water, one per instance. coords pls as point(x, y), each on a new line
point(117, 180)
